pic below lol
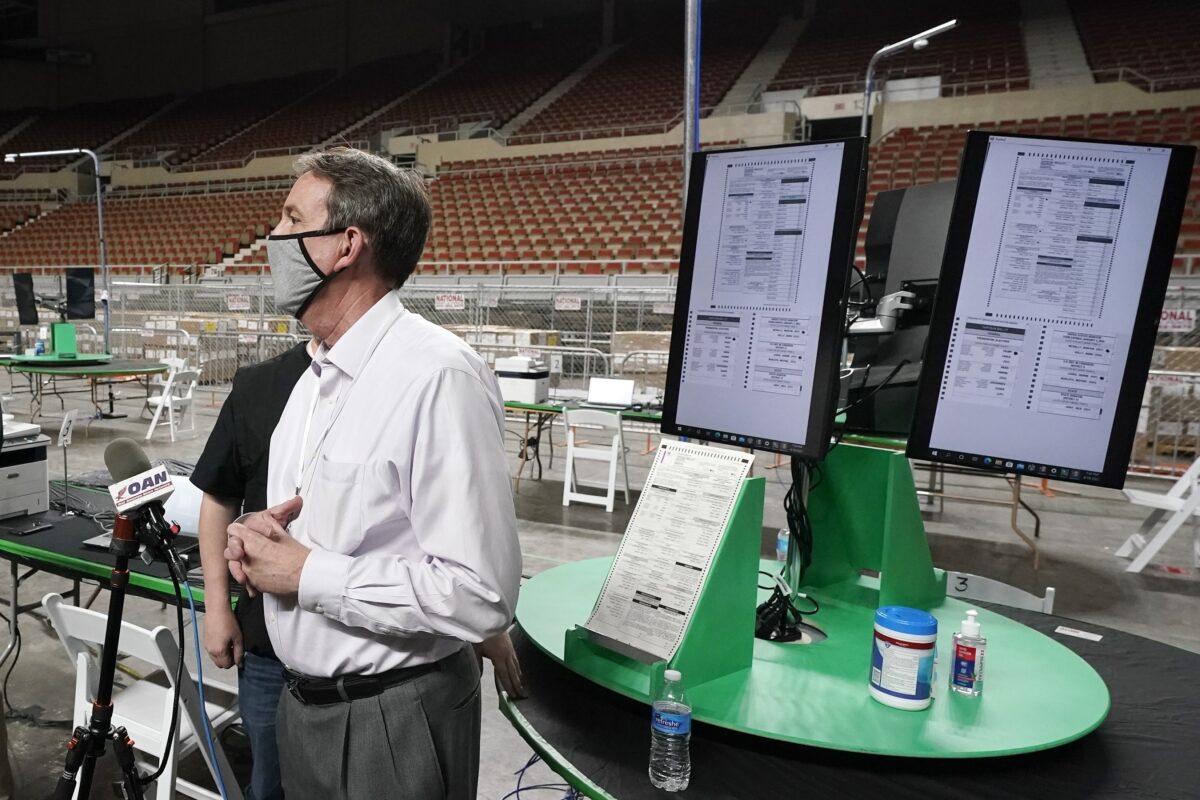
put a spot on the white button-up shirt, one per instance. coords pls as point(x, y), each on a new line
point(408, 507)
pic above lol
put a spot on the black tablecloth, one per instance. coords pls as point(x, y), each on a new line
point(1148, 747)
point(66, 537)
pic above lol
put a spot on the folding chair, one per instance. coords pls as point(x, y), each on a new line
point(1182, 500)
point(603, 423)
point(977, 587)
point(145, 707)
point(177, 396)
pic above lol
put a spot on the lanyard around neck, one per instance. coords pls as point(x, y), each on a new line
point(303, 467)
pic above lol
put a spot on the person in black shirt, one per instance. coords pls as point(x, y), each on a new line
point(232, 473)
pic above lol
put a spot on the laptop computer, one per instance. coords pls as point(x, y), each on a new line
point(609, 393)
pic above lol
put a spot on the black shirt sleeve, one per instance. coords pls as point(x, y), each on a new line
point(219, 470)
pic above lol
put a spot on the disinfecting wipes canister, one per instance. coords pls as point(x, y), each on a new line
point(902, 657)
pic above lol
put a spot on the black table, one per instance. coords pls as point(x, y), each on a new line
point(1148, 747)
point(60, 550)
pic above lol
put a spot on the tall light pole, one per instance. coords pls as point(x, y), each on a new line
point(917, 42)
point(691, 89)
point(10, 158)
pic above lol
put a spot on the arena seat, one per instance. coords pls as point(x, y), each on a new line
point(488, 89)
point(1124, 44)
point(172, 229)
point(90, 125)
point(328, 110)
point(204, 120)
point(984, 53)
point(639, 88)
point(12, 215)
point(590, 207)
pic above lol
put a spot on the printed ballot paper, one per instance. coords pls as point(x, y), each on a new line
point(651, 591)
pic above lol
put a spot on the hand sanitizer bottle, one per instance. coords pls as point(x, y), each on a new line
point(967, 675)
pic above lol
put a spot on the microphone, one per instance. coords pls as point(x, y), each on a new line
point(139, 490)
point(137, 484)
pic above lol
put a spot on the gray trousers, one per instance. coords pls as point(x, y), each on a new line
point(417, 740)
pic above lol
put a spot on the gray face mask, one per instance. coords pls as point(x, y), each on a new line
point(297, 277)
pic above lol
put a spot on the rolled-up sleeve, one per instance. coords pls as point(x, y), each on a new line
point(461, 513)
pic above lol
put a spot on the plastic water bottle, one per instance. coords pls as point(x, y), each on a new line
point(670, 733)
point(781, 544)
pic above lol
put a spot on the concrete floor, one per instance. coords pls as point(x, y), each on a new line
point(1081, 529)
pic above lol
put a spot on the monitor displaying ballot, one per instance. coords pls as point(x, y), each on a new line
point(768, 240)
point(1052, 282)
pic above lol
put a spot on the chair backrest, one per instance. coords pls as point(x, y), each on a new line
point(1186, 481)
point(79, 627)
point(174, 365)
point(989, 590)
point(608, 421)
point(185, 384)
point(165, 381)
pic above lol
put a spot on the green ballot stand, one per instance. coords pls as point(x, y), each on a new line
point(869, 550)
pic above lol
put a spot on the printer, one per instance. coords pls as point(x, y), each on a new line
point(24, 480)
point(523, 379)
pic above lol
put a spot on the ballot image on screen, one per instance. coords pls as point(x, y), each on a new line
point(1058, 263)
point(769, 246)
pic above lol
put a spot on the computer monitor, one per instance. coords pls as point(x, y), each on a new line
point(81, 293)
point(1055, 268)
point(27, 312)
point(768, 240)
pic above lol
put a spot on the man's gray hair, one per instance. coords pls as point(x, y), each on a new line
point(390, 204)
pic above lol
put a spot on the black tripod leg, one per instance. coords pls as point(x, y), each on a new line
point(87, 744)
point(95, 749)
point(77, 751)
point(123, 747)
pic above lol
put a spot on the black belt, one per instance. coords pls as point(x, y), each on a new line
point(326, 691)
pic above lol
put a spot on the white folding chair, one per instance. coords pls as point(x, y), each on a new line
point(176, 397)
point(159, 386)
point(144, 708)
point(156, 383)
point(977, 587)
point(1182, 500)
point(607, 426)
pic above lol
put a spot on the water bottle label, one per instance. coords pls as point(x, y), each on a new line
point(671, 724)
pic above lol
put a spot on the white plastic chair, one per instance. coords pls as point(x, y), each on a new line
point(145, 707)
point(1182, 500)
point(599, 423)
point(176, 397)
point(989, 590)
point(156, 383)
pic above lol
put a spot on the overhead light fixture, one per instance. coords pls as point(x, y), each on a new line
point(917, 41)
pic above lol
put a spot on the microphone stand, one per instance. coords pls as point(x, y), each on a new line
point(86, 744)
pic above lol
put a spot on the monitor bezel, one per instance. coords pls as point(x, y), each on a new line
point(848, 210)
point(1141, 345)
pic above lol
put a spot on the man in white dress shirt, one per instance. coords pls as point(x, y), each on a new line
point(390, 541)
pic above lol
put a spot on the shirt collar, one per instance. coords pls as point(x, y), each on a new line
point(351, 350)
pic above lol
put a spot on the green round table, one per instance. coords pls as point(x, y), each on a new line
point(1037, 693)
point(63, 368)
point(55, 360)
